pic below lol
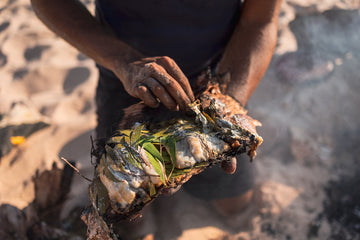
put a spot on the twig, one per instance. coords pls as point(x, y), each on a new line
point(75, 169)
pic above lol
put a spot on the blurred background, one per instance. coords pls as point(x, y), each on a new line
point(308, 101)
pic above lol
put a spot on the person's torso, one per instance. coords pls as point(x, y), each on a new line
point(192, 32)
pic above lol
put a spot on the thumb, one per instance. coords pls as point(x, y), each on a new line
point(229, 165)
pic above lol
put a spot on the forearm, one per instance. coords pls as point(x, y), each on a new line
point(249, 50)
point(153, 79)
point(73, 22)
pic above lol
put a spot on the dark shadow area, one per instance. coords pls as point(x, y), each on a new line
point(4, 26)
point(82, 57)
point(3, 59)
point(74, 78)
point(20, 73)
point(35, 53)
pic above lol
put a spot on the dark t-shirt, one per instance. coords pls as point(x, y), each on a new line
point(192, 32)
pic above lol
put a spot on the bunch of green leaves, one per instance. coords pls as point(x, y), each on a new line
point(160, 149)
point(160, 145)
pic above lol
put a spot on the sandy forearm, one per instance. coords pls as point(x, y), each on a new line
point(74, 23)
point(249, 51)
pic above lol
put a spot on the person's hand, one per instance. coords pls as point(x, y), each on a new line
point(229, 165)
point(155, 80)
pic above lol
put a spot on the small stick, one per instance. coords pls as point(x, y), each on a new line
point(75, 169)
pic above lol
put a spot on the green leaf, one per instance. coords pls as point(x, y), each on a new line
point(135, 135)
point(115, 139)
point(126, 132)
point(133, 157)
point(123, 141)
point(152, 189)
point(157, 166)
point(171, 147)
point(126, 137)
point(178, 172)
point(161, 133)
point(99, 195)
point(171, 143)
point(144, 139)
point(148, 146)
point(166, 157)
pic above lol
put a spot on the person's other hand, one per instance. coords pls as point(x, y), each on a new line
point(155, 80)
point(229, 165)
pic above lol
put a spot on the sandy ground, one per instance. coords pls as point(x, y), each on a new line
point(308, 102)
